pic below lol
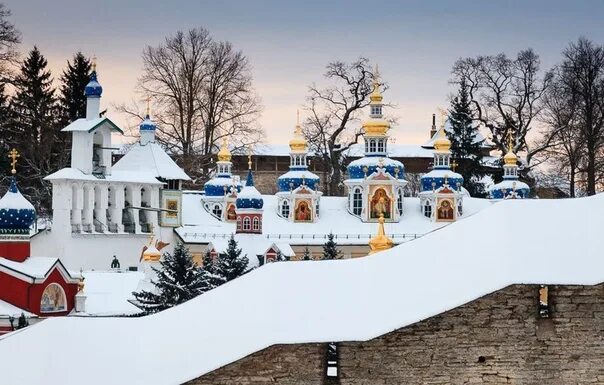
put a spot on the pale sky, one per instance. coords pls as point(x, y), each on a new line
point(289, 43)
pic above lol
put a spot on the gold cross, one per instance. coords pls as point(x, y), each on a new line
point(454, 165)
point(148, 104)
point(94, 63)
point(13, 154)
point(510, 141)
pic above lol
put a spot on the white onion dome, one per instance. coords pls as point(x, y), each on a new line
point(249, 197)
point(17, 214)
point(93, 88)
point(361, 168)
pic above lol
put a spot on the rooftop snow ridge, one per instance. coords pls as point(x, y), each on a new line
point(402, 286)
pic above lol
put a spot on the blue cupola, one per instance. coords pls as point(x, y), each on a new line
point(510, 187)
point(93, 88)
point(441, 173)
point(147, 124)
point(249, 197)
point(17, 214)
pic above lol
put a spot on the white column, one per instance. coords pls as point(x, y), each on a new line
point(101, 202)
point(153, 216)
point(77, 204)
point(88, 207)
point(135, 200)
point(117, 205)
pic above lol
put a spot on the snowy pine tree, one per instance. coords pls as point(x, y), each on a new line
point(330, 248)
point(209, 268)
point(306, 256)
point(465, 148)
point(231, 264)
point(178, 280)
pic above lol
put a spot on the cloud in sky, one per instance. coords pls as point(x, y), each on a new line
point(289, 43)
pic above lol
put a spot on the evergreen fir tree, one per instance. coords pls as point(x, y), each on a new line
point(72, 101)
point(33, 128)
point(210, 270)
point(231, 264)
point(306, 256)
point(465, 149)
point(330, 248)
point(4, 135)
point(178, 280)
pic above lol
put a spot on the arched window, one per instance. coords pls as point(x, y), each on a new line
point(399, 201)
point(53, 299)
point(372, 145)
point(239, 223)
point(366, 146)
point(428, 210)
point(217, 210)
point(285, 209)
point(380, 145)
point(357, 201)
point(246, 223)
point(256, 223)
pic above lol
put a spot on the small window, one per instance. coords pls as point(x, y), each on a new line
point(239, 223)
point(285, 209)
point(428, 210)
point(376, 110)
point(380, 147)
point(256, 223)
point(217, 211)
point(399, 202)
point(372, 145)
point(246, 223)
point(357, 201)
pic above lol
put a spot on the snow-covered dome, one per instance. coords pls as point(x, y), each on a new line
point(16, 213)
point(438, 176)
point(249, 197)
point(510, 188)
point(93, 88)
point(221, 185)
point(293, 179)
point(366, 166)
point(147, 124)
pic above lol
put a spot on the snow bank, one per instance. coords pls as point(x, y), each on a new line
point(401, 286)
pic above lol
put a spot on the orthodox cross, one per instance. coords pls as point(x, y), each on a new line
point(148, 104)
point(510, 141)
point(249, 160)
point(94, 63)
point(13, 154)
point(454, 165)
point(443, 117)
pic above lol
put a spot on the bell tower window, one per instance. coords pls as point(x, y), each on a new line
point(376, 110)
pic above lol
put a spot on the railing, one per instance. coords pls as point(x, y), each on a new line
point(210, 236)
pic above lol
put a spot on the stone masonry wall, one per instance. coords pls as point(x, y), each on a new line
point(497, 339)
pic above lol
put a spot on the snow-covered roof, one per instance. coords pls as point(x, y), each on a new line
point(199, 226)
point(89, 125)
point(34, 268)
point(152, 159)
point(478, 138)
point(402, 286)
point(8, 310)
point(108, 292)
point(130, 176)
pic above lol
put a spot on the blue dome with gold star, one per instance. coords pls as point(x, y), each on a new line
point(17, 214)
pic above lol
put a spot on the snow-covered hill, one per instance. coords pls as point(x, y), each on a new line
point(522, 241)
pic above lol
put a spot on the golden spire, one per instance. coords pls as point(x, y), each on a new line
point(224, 155)
point(249, 160)
point(510, 158)
point(380, 242)
point(94, 63)
point(442, 143)
point(13, 154)
point(298, 142)
point(376, 126)
point(148, 105)
point(376, 95)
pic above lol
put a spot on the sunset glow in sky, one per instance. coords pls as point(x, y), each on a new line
point(289, 43)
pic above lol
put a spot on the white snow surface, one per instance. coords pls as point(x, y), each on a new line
point(401, 286)
point(151, 158)
point(355, 151)
point(108, 292)
point(132, 176)
point(17, 201)
point(35, 267)
point(7, 310)
point(508, 183)
point(202, 227)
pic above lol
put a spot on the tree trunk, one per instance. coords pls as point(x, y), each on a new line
point(572, 180)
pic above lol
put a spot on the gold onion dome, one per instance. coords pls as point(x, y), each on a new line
point(298, 142)
point(380, 242)
point(376, 126)
point(224, 155)
point(442, 143)
point(510, 158)
point(151, 253)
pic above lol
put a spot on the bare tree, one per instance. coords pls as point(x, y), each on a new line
point(333, 113)
point(201, 90)
point(506, 96)
point(9, 40)
point(582, 76)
